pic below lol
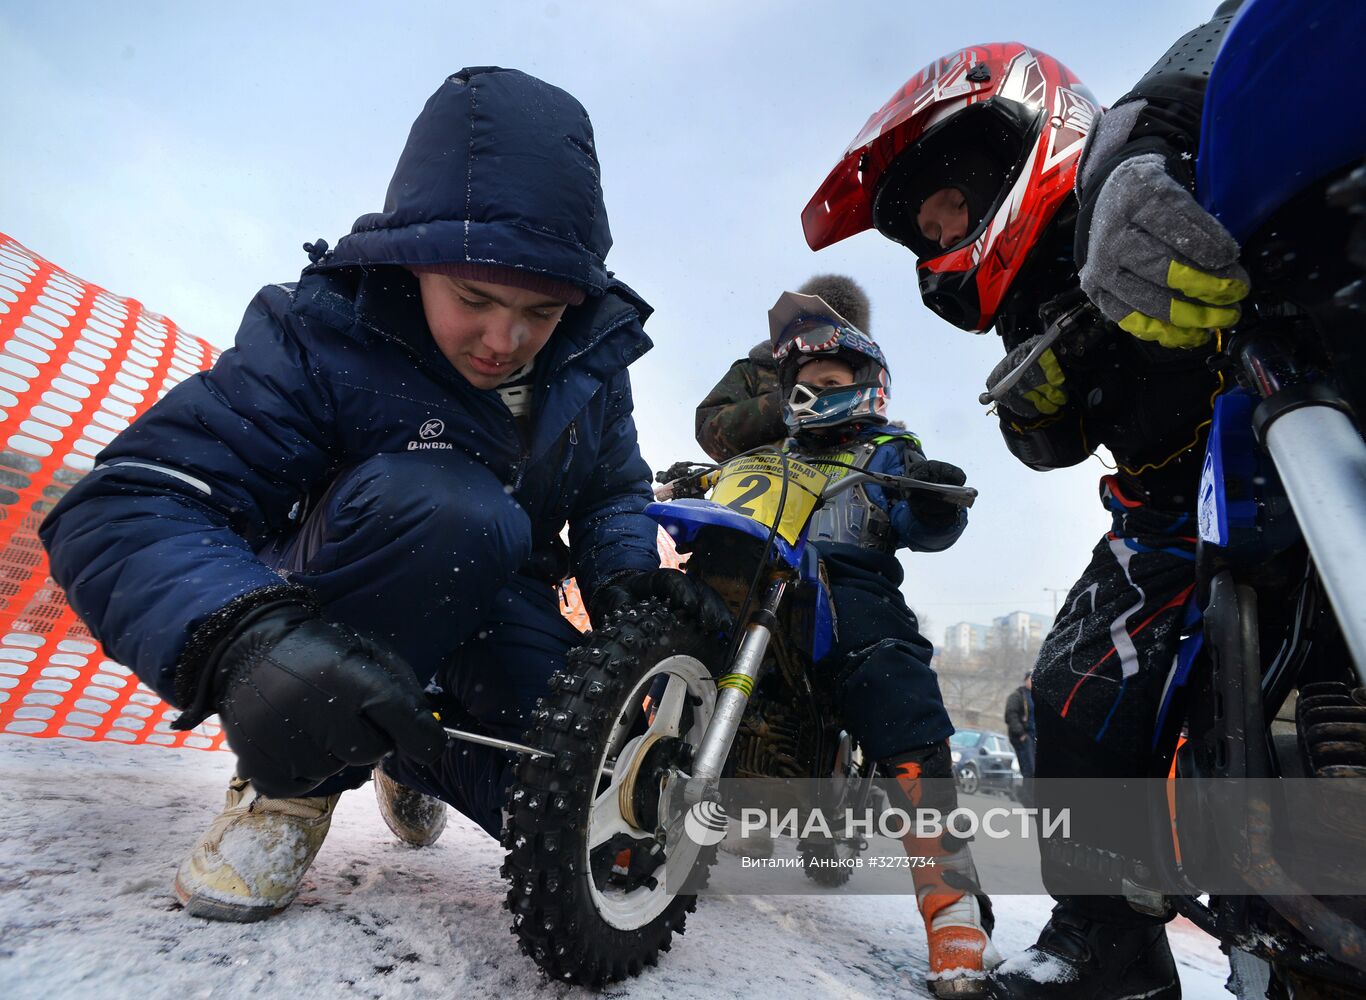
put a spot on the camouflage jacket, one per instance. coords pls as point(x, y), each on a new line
point(745, 409)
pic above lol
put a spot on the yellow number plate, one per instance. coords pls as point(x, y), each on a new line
point(753, 486)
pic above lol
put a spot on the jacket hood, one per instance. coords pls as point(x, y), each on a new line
point(499, 168)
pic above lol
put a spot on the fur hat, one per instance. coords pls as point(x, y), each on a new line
point(842, 294)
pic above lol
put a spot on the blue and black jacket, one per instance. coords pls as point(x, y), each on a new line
point(340, 366)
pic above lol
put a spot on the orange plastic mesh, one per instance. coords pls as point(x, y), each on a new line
point(77, 364)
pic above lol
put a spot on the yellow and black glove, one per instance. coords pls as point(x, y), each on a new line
point(1158, 264)
point(1040, 390)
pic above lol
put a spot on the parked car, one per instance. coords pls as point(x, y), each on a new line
point(983, 761)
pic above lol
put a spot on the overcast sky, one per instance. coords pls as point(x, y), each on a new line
point(181, 153)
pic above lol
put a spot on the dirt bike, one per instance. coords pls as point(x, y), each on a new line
point(1270, 682)
point(651, 711)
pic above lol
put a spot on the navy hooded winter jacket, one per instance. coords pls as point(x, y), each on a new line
point(340, 366)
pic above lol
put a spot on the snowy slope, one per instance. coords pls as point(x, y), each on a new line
point(92, 832)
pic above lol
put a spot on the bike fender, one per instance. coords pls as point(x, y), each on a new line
point(683, 519)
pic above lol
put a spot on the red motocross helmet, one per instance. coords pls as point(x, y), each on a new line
point(1002, 123)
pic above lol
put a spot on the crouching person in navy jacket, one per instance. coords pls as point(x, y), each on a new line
point(356, 514)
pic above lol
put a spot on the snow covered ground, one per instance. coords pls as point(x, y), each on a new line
point(91, 833)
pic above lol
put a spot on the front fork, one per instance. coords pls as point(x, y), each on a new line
point(736, 687)
point(1321, 459)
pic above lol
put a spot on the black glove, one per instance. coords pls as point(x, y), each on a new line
point(1041, 390)
point(930, 509)
point(674, 587)
point(686, 480)
point(676, 471)
point(301, 698)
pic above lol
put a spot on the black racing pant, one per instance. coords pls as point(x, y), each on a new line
point(1100, 672)
point(879, 671)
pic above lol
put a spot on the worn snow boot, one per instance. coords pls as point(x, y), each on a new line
point(1079, 958)
point(416, 819)
point(957, 914)
point(249, 863)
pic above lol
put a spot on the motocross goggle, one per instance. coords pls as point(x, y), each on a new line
point(817, 336)
point(809, 408)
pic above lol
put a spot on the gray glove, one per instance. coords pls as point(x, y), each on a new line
point(1158, 264)
point(1039, 391)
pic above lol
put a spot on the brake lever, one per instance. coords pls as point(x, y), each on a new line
point(959, 496)
point(1069, 322)
point(998, 391)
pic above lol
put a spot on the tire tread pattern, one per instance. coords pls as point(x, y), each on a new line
point(553, 914)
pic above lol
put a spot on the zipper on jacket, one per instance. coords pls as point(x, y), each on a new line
point(567, 453)
point(567, 456)
point(570, 440)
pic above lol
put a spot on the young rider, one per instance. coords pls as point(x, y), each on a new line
point(835, 384)
point(745, 409)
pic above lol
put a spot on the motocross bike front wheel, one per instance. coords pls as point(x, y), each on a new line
point(828, 862)
point(597, 846)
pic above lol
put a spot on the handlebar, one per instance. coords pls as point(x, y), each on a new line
point(697, 484)
point(959, 496)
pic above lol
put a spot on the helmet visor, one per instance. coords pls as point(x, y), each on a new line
point(939, 194)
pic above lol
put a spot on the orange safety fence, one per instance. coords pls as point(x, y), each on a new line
point(77, 364)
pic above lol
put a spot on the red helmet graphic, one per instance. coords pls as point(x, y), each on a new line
point(978, 151)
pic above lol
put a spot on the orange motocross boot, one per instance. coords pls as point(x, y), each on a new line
point(956, 912)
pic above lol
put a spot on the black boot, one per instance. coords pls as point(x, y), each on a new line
point(1080, 958)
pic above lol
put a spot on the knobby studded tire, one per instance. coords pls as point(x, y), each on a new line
point(830, 876)
point(554, 915)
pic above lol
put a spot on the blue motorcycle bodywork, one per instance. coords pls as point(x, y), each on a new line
point(1281, 109)
point(684, 519)
point(1272, 126)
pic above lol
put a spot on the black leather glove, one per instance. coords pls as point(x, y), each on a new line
point(930, 509)
point(301, 698)
point(675, 588)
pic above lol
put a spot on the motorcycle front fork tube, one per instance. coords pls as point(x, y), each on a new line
point(1321, 459)
point(735, 689)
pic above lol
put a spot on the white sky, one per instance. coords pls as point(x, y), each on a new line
point(181, 153)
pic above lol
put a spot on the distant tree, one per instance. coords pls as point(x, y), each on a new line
point(976, 683)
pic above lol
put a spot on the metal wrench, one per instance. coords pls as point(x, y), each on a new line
point(493, 741)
